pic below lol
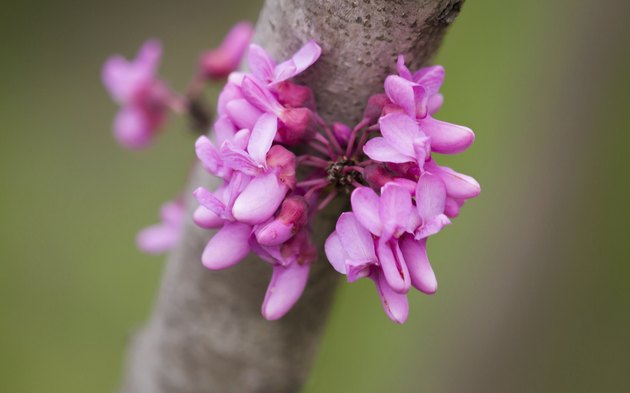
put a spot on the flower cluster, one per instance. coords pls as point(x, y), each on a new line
point(281, 163)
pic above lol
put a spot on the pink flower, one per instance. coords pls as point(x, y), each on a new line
point(220, 62)
point(265, 69)
point(142, 96)
point(162, 237)
point(402, 141)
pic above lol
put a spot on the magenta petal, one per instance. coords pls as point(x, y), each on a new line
point(208, 154)
point(458, 185)
point(260, 96)
point(131, 128)
point(209, 201)
point(435, 103)
point(415, 254)
point(120, 79)
point(224, 129)
point(445, 137)
point(285, 288)
point(365, 205)
point(157, 239)
point(400, 131)
point(380, 150)
point(403, 71)
point(358, 269)
point(260, 63)
point(400, 91)
point(393, 266)
point(230, 92)
point(262, 137)
point(239, 160)
point(335, 253)
point(149, 56)
point(242, 113)
point(356, 240)
point(396, 305)
point(206, 218)
point(452, 207)
point(260, 199)
point(301, 60)
point(227, 247)
point(274, 233)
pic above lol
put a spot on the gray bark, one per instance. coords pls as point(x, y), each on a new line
point(206, 333)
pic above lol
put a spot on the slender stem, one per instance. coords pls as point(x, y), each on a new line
point(329, 134)
point(328, 151)
point(313, 182)
point(353, 135)
point(327, 200)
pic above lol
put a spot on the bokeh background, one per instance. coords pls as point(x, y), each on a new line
point(534, 293)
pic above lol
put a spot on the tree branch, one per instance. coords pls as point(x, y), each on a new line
point(206, 333)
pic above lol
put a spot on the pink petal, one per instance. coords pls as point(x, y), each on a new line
point(431, 78)
point(224, 129)
point(157, 239)
point(239, 160)
point(260, 96)
point(394, 210)
point(400, 91)
point(274, 233)
point(395, 304)
point(131, 128)
point(445, 137)
point(335, 252)
point(393, 266)
point(260, 199)
point(400, 131)
point(242, 113)
point(227, 247)
point(435, 103)
point(430, 196)
point(260, 63)
point(285, 288)
point(218, 63)
point(230, 92)
point(452, 207)
point(301, 60)
point(356, 240)
point(149, 56)
point(208, 154)
point(415, 254)
point(209, 201)
point(380, 150)
point(365, 206)
point(357, 269)
point(262, 137)
point(206, 218)
point(458, 185)
point(403, 71)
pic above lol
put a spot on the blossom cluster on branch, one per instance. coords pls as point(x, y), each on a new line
point(281, 164)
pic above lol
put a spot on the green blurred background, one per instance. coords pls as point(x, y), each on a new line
point(534, 293)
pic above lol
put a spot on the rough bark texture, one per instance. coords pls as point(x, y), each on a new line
point(206, 333)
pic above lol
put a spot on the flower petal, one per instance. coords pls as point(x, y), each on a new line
point(400, 92)
point(445, 137)
point(394, 210)
point(301, 60)
point(356, 240)
point(242, 113)
point(227, 247)
point(400, 131)
point(393, 266)
point(431, 78)
point(209, 201)
point(260, 199)
point(262, 137)
point(380, 150)
point(458, 185)
point(396, 305)
point(260, 96)
point(132, 129)
point(206, 218)
point(365, 205)
point(430, 196)
point(285, 288)
point(415, 254)
point(260, 63)
point(157, 239)
point(335, 252)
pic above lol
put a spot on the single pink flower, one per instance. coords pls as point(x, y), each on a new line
point(143, 97)
point(402, 141)
point(267, 71)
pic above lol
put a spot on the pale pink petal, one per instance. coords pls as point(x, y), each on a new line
point(301, 60)
point(356, 240)
point(380, 150)
point(172, 213)
point(224, 129)
point(120, 79)
point(336, 253)
point(260, 199)
point(396, 305)
point(262, 137)
point(458, 185)
point(431, 78)
point(208, 154)
point(435, 103)
point(242, 113)
point(241, 138)
point(227, 247)
point(430, 196)
point(403, 71)
point(206, 218)
point(238, 159)
point(365, 206)
point(131, 128)
point(209, 201)
point(393, 266)
point(357, 269)
point(274, 233)
point(445, 137)
point(400, 131)
point(157, 239)
point(230, 92)
point(260, 63)
point(218, 63)
point(415, 254)
point(452, 207)
point(148, 58)
point(285, 288)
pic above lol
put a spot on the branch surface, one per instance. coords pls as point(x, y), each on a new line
point(206, 333)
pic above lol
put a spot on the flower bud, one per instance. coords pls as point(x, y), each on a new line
point(377, 176)
point(342, 132)
point(374, 107)
point(290, 219)
point(284, 161)
point(297, 124)
point(295, 96)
